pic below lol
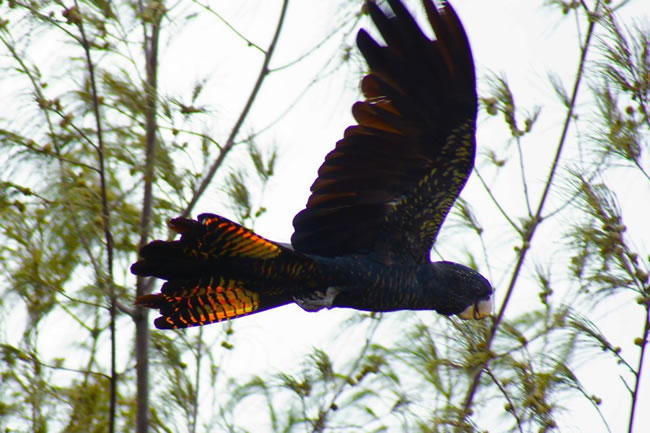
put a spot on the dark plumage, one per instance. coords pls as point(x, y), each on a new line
point(363, 241)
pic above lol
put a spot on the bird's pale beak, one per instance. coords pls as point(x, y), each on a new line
point(480, 310)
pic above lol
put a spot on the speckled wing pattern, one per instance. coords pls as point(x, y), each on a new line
point(388, 185)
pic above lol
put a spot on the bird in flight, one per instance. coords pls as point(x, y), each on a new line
point(363, 240)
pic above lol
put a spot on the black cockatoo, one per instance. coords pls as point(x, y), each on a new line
point(363, 241)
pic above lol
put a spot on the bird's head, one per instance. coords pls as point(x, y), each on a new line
point(461, 290)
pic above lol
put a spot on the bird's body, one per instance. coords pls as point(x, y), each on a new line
point(381, 196)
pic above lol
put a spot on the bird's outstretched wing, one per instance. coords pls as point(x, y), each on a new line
point(390, 182)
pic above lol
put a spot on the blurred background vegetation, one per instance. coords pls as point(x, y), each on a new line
point(119, 115)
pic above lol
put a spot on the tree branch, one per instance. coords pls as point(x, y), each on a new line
point(637, 374)
point(106, 219)
point(264, 71)
point(527, 236)
point(141, 316)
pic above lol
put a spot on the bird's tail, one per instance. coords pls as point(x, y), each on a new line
point(218, 270)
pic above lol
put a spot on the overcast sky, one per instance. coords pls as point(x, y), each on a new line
point(521, 39)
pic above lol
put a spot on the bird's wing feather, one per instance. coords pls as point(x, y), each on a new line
point(389, 183)
point(218, 270)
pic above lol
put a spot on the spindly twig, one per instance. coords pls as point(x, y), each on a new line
point(527, 236)
point(227, 147)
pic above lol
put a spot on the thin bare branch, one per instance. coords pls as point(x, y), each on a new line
point(527, 236)
point(106, 217)
point(496, 202)
point(140, 316)
point(264, 71)
point(643, 344)
point(230, 26)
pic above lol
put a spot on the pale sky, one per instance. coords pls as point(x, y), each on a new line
point(522, 40)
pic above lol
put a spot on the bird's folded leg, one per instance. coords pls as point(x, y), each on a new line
point(317, 300)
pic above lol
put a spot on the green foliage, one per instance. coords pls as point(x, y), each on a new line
point(449, 376)
point(87, 122)
point(75, 142)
